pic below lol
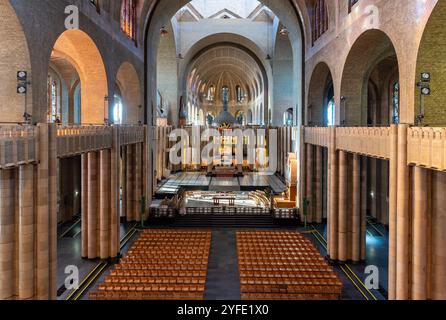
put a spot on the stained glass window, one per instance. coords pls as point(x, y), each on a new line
point(319, 19)
point(128, 18)
point(396, 103)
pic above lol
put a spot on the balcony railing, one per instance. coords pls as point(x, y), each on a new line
point(427, 147)
point(129, 134)
point(17, 145)
point(76, 139)
point(372, 142)
point(317, 136)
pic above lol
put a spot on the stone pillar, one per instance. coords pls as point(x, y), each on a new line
point(374, 188)
point(46, 214)
point(438, 252)
point(343, 207)
point(332, 226)
point(420, 235)
point(7, 235)
point(384, 205)
point(115, 194)
point(393, 192)
point(309, 185)
point(356, 209)
point(52, 176)
point(364, 198)
point(123, 173)
point(84, 209)
point(137, 183)
point(129, 184)
point(403, 218)
point(302, 172)
point(93, 206)
point(26, 233)
point(104, 204)
point(318, 186)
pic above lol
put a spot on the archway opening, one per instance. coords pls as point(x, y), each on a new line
point(369, 80)
point(129, 95)
point(220, 79)
point(78, 55)
point(321, 103)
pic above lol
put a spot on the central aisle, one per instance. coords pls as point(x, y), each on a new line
point(223, 282)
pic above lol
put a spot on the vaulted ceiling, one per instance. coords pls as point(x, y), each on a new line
point(225, 66)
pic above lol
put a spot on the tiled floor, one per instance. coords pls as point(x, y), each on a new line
point(377, 244)
point(223, 282)
point(69, 255)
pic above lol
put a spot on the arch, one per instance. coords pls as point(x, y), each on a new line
point(167, 73)
point(249, 117)
point(288, 117)
point(80, 50)
point(319, 95)
point(15, 58)
point(159, 13)
point(431, 58)
point(283, 86)
point(130, 87)
point(371, 50)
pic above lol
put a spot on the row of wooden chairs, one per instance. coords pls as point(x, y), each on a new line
point(297, 269)
point(168, 267)
point(174, 261)
point(302, 288)
point(120, 296)
point(160, 265)
point(282, 266)
point(289, 275)
point(151, 288)
point(158, 273)
point(284, 297)
point(156, 280)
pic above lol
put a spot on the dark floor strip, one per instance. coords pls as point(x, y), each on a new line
point(223, 281)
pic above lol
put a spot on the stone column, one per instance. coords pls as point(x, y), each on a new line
point(364, 198)
point(420, 235)
point(84, 209)
point(309, 184)
point(438, 262)
point(123, 173)
point(333, 197)
point(403, 218)
point(52, 176)
point(93, 206)
point(129, 184)
point(302, 173)
point(7, 235)
point(43, 208)
point(393, 192)
point(104, 204)
point(26, 233)
point(318, 186)
point(137, 183)
point(356, 209)
point(115, 202)
point(343, 210)
point(374, 188)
